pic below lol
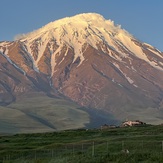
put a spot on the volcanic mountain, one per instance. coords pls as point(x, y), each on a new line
point(87, 61)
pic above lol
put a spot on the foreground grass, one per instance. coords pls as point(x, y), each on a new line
point(143, 143)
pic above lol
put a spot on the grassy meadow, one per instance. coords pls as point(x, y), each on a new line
point(40, 113)
point(129, 144)
point(37, 112)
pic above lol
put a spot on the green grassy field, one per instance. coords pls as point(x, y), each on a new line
point(145, 144)
point(39, 113)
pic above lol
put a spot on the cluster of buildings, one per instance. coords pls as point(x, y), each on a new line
point(124, 124)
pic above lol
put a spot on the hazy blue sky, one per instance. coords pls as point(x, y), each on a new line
point(142, 18)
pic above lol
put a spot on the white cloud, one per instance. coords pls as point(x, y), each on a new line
point(19, 36)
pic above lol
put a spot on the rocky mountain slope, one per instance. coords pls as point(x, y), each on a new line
point(89, 60)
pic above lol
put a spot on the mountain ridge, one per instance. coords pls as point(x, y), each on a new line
point(89, 60)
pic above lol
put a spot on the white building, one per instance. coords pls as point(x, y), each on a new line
point(133, 123)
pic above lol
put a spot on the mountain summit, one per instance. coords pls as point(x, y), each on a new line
point(91, 29)
point(75, 32)
point(89, 60)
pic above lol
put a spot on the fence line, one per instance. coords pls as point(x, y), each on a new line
point(88, 149)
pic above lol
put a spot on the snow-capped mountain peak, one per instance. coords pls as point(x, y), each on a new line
point(76, 23)
point(73, 32)
point(88, 59)
point(91, 29)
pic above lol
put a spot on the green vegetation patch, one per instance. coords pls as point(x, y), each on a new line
point(129, 144)
point(40, 113)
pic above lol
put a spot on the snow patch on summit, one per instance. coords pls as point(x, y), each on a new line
point(92, 29)
point(74, 32)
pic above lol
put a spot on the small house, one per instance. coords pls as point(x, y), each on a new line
point(133, 123)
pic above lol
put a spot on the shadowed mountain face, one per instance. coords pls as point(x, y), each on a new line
point(90, 61)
